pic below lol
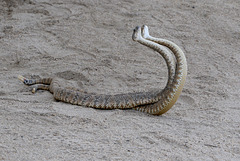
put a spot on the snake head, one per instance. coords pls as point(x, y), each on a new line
point(136, 34)
point(145, 32)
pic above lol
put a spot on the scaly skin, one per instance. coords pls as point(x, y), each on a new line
point(142, 101)
point(171, 94)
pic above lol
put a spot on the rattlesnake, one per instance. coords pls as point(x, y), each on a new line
point(171, 94)
point(153, 102)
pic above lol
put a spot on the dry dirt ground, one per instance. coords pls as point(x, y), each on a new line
point(89, 43)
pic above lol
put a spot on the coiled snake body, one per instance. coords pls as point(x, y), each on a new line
point(152, 102)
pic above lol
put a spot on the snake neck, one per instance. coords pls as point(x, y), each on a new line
point(172, 91)
point(181, 63)
point(167, 56)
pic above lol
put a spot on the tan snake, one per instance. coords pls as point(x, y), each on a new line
point(153, 102)
point(171, 94)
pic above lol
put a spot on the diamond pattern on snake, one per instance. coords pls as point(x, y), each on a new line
point(152, 102)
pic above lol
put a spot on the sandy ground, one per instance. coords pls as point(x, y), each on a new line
point(89, 43)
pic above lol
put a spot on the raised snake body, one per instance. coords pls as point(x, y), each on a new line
point(171, 94)
point(152, 102)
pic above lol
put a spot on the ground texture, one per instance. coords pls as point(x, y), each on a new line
point(88, 43)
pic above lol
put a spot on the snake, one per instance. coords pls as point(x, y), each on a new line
point(171, 94)
point(153, 102)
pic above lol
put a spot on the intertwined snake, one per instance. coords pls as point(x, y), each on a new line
point(152, 102)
